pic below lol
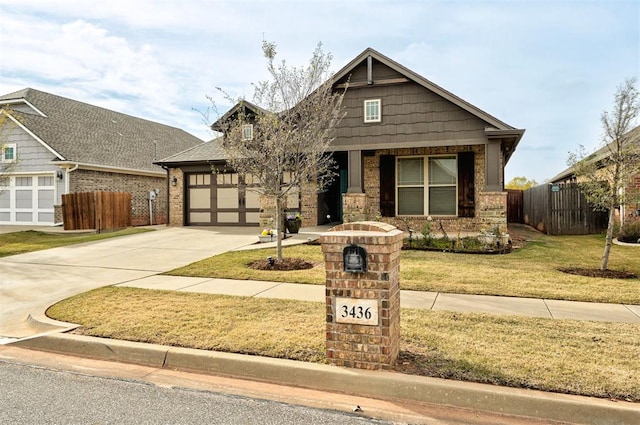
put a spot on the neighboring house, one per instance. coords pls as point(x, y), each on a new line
point(629, 210)
point(59, 146)
point(406, 150)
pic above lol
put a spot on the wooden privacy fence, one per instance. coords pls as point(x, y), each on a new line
point(96, 210)
point(561, 209)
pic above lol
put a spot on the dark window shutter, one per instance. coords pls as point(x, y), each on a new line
point(388, 185)
point(466, 187)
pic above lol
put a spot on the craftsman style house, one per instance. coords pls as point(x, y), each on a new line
point(51, 145)
point(407, 150)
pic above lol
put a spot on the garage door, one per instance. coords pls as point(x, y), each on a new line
point(27, 199)
point(221, 199)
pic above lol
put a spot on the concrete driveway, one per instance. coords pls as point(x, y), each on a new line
point(30, 283)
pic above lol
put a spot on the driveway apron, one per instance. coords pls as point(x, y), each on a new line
point(30, 283)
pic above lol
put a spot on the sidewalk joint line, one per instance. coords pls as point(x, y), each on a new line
point(268, 289)
point(632, 312)
point(547, 306)
point(433, 304)
point(193, 284)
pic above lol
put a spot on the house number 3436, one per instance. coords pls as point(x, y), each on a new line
point(356, 311)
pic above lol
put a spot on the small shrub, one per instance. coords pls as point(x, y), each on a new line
point(426, 233)
point(630, 232)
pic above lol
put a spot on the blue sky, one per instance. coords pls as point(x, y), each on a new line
point(550, 67)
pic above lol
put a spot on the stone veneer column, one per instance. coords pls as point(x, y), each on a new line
point(354, 207)
point(492, 208)
point(363, 309)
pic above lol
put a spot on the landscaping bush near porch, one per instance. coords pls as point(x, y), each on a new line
point(578, 357)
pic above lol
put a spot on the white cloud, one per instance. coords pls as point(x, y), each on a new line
point(549, 67)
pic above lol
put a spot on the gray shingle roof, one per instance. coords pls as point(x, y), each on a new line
point(89, 134)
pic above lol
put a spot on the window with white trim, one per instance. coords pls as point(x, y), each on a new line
point(435, 194)
point(9, 152)
point(373, 110)
point(247, 131)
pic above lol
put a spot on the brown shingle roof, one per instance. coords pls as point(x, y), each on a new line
point(88, 134)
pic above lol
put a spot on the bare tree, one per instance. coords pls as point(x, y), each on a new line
point(604, 176)
point(288, 149)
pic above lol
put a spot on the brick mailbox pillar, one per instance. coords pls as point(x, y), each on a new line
point(362, 294)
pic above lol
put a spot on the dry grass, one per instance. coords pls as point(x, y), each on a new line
point(31, 240)
point(235, 265)
point(587, 358)
point(272, 328)
point(577, 357)
point(531, 271)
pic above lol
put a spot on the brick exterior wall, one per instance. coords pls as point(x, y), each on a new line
point(138, 186)
point(490, 207)
point(365, 346)
point(176, 197)
point(632, 209)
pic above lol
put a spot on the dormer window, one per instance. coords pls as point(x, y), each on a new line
point(247, 132)
point(9, 152)
point(372, 110)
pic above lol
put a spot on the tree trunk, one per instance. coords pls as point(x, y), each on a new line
point(279, 229)
point(608, 239)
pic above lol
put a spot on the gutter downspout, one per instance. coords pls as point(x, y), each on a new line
point(67, 186)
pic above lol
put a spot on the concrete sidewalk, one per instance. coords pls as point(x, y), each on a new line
point(532, 307)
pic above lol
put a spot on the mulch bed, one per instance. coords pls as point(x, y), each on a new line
point(609, 274)
point(286, 264)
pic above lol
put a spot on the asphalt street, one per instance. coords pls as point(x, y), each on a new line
point(25, 374)
point(43, 396)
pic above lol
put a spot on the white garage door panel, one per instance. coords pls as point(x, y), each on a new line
point(5, 200)
point(45, 199)
point(27, 200)
point(24, 199)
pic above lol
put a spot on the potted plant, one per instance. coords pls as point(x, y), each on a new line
point(267, 235)
point(293, 222)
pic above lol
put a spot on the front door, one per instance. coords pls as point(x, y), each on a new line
point(221, 199)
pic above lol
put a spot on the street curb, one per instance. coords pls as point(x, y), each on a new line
point(374, 384)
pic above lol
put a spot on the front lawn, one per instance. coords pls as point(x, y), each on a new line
point(531, 271)
point(578, 357)
point(32, 240)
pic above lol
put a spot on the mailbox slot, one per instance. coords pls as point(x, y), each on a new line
point(355, 259)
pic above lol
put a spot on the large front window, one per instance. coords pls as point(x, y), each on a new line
point(434, 195)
